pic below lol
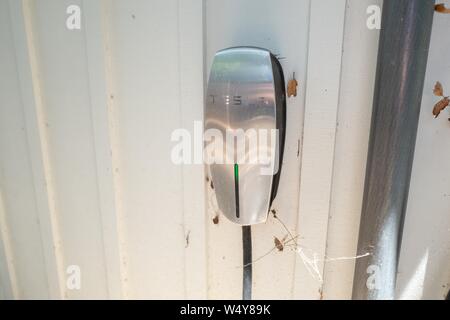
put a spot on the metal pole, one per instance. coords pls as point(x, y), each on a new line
point(402, 60)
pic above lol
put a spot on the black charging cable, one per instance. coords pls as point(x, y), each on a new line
point(247, 270)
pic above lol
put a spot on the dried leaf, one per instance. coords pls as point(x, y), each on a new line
point(438, 90)
point(441, 8)
point(216, 220)
point(440, 106)
point(274, 213)
point(278, 244)
point(292, 88)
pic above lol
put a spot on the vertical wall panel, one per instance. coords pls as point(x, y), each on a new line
point(9, 98)
point(281, 27)
point(322, 101)
point(66, 120)
point(147, 77)
point(355, 110)
point(190, 64)
point(105, 140)
point(25, 189)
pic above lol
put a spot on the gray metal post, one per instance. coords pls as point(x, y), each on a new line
point(402, 60)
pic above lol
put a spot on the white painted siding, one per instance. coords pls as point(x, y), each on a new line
point(359, 59)
point(86, 178)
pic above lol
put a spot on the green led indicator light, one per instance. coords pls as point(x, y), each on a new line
point(236, 188)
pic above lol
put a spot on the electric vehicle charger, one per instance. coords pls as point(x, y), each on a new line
point(246, 96)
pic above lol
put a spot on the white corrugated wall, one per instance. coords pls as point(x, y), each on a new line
point(86, 179)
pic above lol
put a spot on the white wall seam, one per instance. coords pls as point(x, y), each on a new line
point(206, 185)
point(186, 233)
point(333, 155)
point(329, 222)
point(324, 68)
point(190, 61)
point(114, 141)
point(28, 72)
point(300, 147)
point(101, 108)
point(8, 275)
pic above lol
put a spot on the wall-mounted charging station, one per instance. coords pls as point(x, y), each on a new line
point(246, 97)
